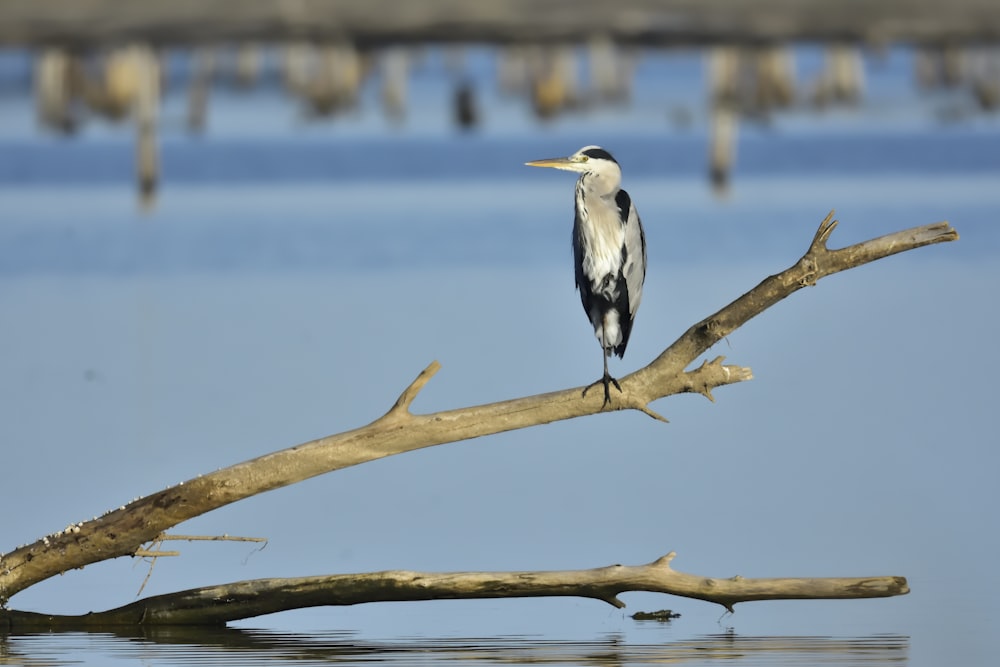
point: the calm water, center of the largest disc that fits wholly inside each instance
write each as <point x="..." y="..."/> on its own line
<point x="294" y="276"/>
<point x="227" y="647"/>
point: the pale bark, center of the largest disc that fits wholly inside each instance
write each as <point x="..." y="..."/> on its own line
<point x="216" y="605"/>
<point x="124" y="531"/>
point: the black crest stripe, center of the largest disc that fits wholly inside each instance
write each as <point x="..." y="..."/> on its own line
<point x="599" y="154"/>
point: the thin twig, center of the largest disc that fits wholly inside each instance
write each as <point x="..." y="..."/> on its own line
<point x="209" y="538"/>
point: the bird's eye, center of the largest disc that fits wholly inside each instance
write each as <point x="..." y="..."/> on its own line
<point x="584" y="158"/>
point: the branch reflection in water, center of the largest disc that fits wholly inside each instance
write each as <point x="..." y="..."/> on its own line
<point x="221" y="645"/>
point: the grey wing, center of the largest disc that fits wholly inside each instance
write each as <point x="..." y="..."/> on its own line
<point x="582" y="282"/>
<point x="634" y="269"/>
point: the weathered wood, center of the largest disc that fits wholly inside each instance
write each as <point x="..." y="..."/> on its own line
<point x="124" y="531"/>
<point x="380" y="22"/>
<point x="216" y="605"/>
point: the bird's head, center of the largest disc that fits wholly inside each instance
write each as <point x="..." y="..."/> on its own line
<point x="587" y="160"/>
<point x="599" y="172"/>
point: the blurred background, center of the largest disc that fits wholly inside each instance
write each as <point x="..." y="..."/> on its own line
<point x="229" y="228"/>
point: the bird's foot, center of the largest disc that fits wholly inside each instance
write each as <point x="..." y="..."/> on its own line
<point x="607" y="381"/>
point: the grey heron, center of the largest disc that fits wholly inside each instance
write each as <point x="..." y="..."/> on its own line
<point x="609" y="250"/>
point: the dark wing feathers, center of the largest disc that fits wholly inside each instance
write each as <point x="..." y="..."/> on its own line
<point x="621" y="305"/>
<point x="633" y="267"/>
<point x="624" y="205"/>
<point x="582" y="283"/>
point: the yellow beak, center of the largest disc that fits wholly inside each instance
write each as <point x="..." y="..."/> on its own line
<point x="553" y="162"/>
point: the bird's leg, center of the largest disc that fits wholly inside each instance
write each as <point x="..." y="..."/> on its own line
<point x="606" y="380"/>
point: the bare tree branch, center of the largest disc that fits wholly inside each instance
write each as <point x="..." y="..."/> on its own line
<point x="817" y="263"/>
<point x="122" y="532"/>
<point x="246" y="599"/>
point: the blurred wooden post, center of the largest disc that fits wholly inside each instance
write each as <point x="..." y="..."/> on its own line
<point x="466" y="114"/>
<point x="395" y="65"/>
<point x="723" y="74"/>
<point x="952" y="65"/>
<point x="723" y="83"/>
<point x="53" y="90"/>
<point x="609" y="80"/>
<point x="295" y="67"/>
<point x="111" y="90"/>
<point x="333" y="84"/>
<point x="775" y="68"/>
<point x="555" y="83"/>
<point x="848" y="73"/>
<point x="984" y="75"/>
<point x="513" y="69"/>
<point x="247" y="69"/>
<point x="146" y="112"/>
<point x="722" y="154"/>
<point x="843" y="77"/>
<point x="202" y="67"/>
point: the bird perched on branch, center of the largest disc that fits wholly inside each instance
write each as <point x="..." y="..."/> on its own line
<point x="609" y="250"/>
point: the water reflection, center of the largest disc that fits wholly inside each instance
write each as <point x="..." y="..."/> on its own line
<point x="222" y="646"/>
